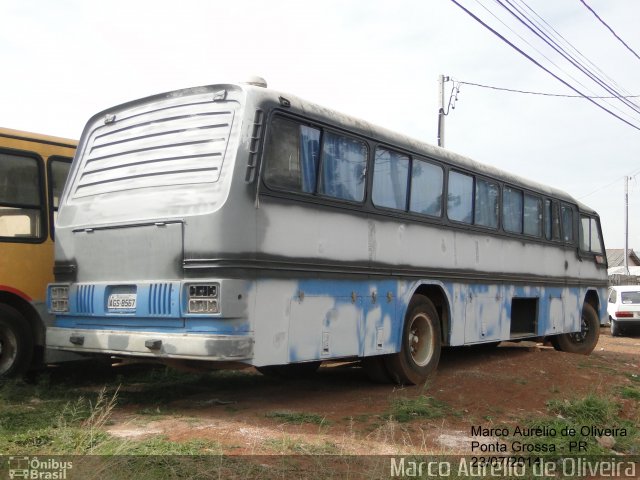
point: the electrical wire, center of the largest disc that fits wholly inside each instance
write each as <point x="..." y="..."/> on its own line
<point x="539" y="65"/>
<point x="610" y="29"/>
<point x="551" y="31"/>
<point x="544" y="94"/>
<point x="524" y="20"/>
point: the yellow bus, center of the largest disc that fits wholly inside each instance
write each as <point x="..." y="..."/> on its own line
<point x="33" y="169"/>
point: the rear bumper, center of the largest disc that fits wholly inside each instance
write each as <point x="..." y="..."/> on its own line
<point x="152" y="344"/>
<point x="627" y="321"/>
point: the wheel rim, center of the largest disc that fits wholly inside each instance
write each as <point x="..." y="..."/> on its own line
<point x="8" y="349"/>
<point x="420" y="339"/>
<point x="580" y="337"/>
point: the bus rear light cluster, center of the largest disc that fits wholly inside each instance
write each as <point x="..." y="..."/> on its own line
<point x="204" y="298"/>
<point x="59" y="299"/>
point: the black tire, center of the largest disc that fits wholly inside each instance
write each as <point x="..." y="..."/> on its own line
<point x="421" y="344"/>
<point x="16" y="343"/>
<point x="376" y="369"/>
<point x="290" y="370"/>
<point x="584" y="341"/>
<point x="615" y="328"/>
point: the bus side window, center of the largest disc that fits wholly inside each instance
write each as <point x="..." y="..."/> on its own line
<point x="567" y="224"/>
<point x="390" y="173"/>
<point x="486" y="205"/>
<point x="343" y="167"/>
<point x="552" y="220"/>
<point x="512" y="210"/>
<point x="292" y="155"/>
<point x="596" y="240"/>
<point x="460" y="201"/>
<point x="20" y="199"/>
<point x="426" y="188"/>
<point x="590" y="240"/>
<point x="532" y="215"/>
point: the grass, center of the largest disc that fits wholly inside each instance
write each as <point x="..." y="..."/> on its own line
<point x="297" y="418"/>
<point x="425" y="407"/>
<point x="630" y="392"/>
<point x="575" y="418"/>
<point x="287" y="446"/>
<point x="50" y="419"/>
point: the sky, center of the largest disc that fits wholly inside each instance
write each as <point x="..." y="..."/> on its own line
<point x="65" y="60"/>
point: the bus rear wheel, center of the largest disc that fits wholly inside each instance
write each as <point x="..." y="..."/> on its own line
<point x="584" y="341"/>
<point x="420" y="349"/>
<point x="16" y="343"/>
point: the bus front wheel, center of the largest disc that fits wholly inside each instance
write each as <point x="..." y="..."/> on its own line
<point x="16" y="342"/>
<point x="584" y="341"/>
<point x="420" y="349"/>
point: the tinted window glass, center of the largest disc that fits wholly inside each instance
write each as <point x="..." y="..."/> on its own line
<point x="532" y="215"/>
<point x="292" y="155"/>
<point x="344" y="162"/>
<point x="460" y="201"/>
<point x="59" y="173"/>
<point x="426" y="188"/>
<point x="552" y="220"/>
<point x="596" y="241"/>
<point x="567" y="223"/>
<point x="512" y="210"/>
<point x="390" y="179"/>
<point x="19" y="180"/>
<point x="486" y="208"/>
<point x="585" y="234"/>
<point x="20" y="204"/>
<point x="589" y="235"/>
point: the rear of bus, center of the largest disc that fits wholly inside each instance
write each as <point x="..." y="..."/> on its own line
<point x="33" y="170"/>
<point x="153" y="189"/>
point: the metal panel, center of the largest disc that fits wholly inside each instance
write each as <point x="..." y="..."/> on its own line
<point x="169" y="143"/>
<point x="130" y="253"/>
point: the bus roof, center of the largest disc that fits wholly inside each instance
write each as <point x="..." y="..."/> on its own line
<point x="365" y="129"/>
<point x="38" y="137"/>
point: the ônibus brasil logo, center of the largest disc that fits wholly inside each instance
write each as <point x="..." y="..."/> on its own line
<point x="38" y="468"/>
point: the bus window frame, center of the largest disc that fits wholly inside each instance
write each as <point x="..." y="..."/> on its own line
<point x="367" y="205"/>
<point x="439" y="219"/>
<point x="44" y="231"/>
<point x="575" y="225"/>
<point x="590" y="253"/>
<point x="50" y="206"/>
<point x="314" y="197"/>
<point x="371" y="168"/>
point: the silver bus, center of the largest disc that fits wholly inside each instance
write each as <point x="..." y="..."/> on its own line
<point x="234" y="224"/>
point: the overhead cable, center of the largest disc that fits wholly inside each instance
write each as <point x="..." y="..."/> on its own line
<point x="610" y="29"/>
<point x="539" y="65"/>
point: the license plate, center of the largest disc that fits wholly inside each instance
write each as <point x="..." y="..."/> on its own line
<point x="122" y="301"/>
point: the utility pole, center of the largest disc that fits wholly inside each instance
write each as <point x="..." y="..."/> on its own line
<point x="441" y="113"/>
<point x="626" y="225"/>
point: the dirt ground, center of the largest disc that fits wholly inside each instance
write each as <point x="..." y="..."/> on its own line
<point x="246" y="413"/>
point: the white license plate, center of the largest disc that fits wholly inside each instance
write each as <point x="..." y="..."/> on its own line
<point x="122" y="301"/>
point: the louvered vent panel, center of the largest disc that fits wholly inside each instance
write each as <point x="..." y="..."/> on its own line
<point x="168" y="143"/>
<point x="84" y="299"/>
<point x="160" y="298"/>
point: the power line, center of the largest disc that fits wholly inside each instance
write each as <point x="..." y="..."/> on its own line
<point x="535" y="62"/>
<point x="513" y="90"/>
<point x="553" y="32"/>
<point x="523" y="19"/>
<point x="610" y="29"/>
